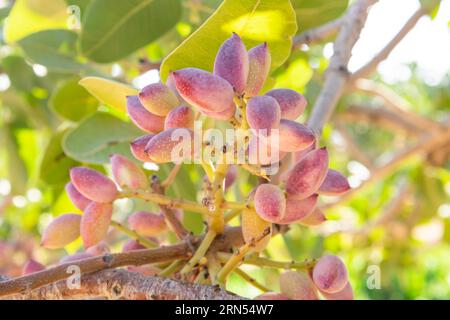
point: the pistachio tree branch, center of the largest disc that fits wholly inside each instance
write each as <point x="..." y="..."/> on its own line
<point x="121" y="284"/>
<point x="376" y="116"/>
<point x="169" y="214"/>
<point x="396" y="104"/>
<point x="317" y="34"/>
<point x="337" y="76"/>
<point x="33" y="281"/>
<point x="182" y="251"/>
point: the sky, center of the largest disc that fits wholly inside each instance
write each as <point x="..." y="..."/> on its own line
<point x="428" y="44"/>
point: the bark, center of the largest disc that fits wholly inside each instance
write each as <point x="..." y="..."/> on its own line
<point x="337" y="75"/>
<point x="120" y="284"/>
<point x="230" y="239"/>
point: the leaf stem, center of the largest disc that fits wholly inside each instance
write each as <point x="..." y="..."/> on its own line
<point x="134" y="235"/>
<point x="201" y="251"/>
<point x="251" y="280"/>
<point x="171" y="268"/>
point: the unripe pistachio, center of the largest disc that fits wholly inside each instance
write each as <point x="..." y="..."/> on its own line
<point x="299" y="155"/>
<point x="297" y="285"/>
<point x="204" y="90"/>
<point x="32" y="266"/>
<point x="253" y="227"/>
<point x="271" y="296"/>
<point x="313" y="219"/>
<point x="330" y="274"/>
<point x="334" y="184"/>
<point x="79" y="201"/>
<point x="294" y="136"/>
<point x="147" y="224"/>
<point x="344" y="294"/>
<point x="95" y="223"/>
<point x="132" y="245"/>
<point x="170" y="82"/>
<point x="264" y="150"/>
<point x="93" y="185"/>
<point x="127" y="174"/>
<point x="232" y="63"/>
<point x="225" y="115"/>
<point x="138" y="145"/>
<point x="230" y="177"/>
<point x="270" y="203"/>
<point x="158" y="99"/>
<point x="308" y="175"/>
<point x="99" y="249"/>
<point x="61" y="231"/>
<point x="263" y="113"/>
<point x="292" y="103"/>
<point x="173" y="145"/>
<point x="297" y="210"/>
<point x="180" y="117"/>
<point x="142" y="118"/>
<point x="260" y="61"/>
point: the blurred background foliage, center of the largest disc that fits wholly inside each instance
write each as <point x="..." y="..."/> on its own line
<point x="50" y="123"/>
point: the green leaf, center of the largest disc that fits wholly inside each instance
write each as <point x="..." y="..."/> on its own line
<point x="55" y="49"/>
<point x="71" y="101"/>
<point x="55" y="165"/>
<point x="112" y="29"/>
<point x="313" y="13"/>
<point x="30" y="16"/>
<point x="256" y="21"/>
<point x="99" y="136"/>
<point x="19" y="72"/>
<point x="109" y="92"/>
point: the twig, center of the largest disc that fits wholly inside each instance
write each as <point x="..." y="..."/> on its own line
<point x="384" y="53"/>
<point x="337" y="74"/>
<point x="268" y="263"/>
<point x="238" y="256"/>
<point x="396" y="104"/>
<point x="134" y="235"/>
<point x="170" y="215"/>
<point x="251" y="280"/>
<point x="121" y="284"/>
<point x="171" y="268"/>
<point x="376" y="116"/>
<point x="317" y="34"/>
<point x="200" y="252"/>
<point x="171" y="177"/>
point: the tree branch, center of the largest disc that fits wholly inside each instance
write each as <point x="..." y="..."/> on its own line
<point x="384" y="53"/>
<point x="396" y="104"/>
<point x="337" y="74"/>
<point x="121" y="284"/>
<point x="376" y="116"/>
<point x="231" y="238"/>
<point x="317" y="34"/>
